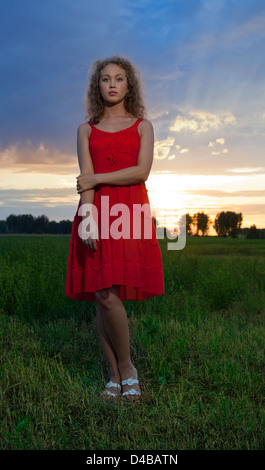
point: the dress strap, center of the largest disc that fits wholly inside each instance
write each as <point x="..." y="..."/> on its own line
<point x="135" y="125"/>
<point x="91" y="123"/>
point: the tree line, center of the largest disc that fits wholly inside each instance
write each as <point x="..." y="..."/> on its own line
<point x="27" y="223"/>
<point x="225" y="224"/>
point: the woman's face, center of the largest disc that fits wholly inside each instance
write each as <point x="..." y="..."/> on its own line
<point x="113" y="84"/>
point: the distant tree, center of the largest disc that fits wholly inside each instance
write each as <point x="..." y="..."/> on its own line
<point x="228" y="224"/>
<point x="188" y="224"/>
<point x="53" y="227"/>
<point x="12" y="223"/>
<point x="26" y="223"/>
<point x="163" y="230"/>
<point x="182" y="229"/>
<point x="3" y="227"/>
<point x="253" y="232"/>
<point x="41" y="224"/>
<point x="202" y="222"/>
<point x="65" y="226"/>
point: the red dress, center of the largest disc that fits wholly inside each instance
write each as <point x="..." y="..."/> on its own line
<point x="133" y="263"/>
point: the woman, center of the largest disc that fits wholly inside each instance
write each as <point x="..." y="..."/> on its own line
<point x="115" y="153"/>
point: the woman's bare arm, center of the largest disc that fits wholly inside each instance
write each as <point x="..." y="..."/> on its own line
<point x="86" y="166"/>
<point x="85" y="160"/>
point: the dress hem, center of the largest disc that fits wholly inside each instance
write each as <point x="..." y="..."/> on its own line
<point x="89" y="296"/>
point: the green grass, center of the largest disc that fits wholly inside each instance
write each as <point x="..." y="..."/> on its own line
<point x="199" y="351"/>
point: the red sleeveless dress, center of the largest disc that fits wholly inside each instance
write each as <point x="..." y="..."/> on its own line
<point x="133" y="263"/>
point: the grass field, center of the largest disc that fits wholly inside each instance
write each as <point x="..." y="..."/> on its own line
<point x="199" y="351"/>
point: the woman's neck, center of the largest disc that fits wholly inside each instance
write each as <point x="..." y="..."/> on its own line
<point x="116" y="111"/>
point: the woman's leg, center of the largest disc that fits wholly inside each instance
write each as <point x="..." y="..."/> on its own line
<point x="114" y="334"/>
<point x="107" y="348"/>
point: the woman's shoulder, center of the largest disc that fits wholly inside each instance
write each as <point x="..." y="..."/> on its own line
<point x="145" y="126"/>
<point x="84" y="128"/>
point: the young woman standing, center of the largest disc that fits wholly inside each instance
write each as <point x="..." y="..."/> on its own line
<point x="115" y="153"/>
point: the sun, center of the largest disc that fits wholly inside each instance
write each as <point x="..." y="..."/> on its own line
<point x="167" y="199"/>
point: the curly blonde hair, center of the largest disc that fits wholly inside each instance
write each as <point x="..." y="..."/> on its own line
<point x="133" y="101"/>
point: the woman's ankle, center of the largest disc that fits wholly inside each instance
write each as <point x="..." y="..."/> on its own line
<point x="126" y="366"/>
<point x="114" y="376"/>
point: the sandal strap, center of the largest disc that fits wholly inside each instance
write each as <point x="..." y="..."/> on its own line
<point x="132" y="391"/>
<point x="107" y="392"/>
<point x="113" y="385"/>
<point x="130" y="381"/>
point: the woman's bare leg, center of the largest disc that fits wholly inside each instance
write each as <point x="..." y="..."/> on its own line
<point x="107" y="347"/>
<point x="114" y="335"/>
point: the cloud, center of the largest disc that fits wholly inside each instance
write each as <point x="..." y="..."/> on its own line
<point x="240" y="28"/>
<point x="202" y="121"/>
<point x="25" y="156"/>
<point x="219" y="152"/>
<point x="220" y="193"/>
<point x="184" y="124"/>
<point x="220" y="141"/>
<point x="253" y="26"/>
<point x="55" y="203"/>
<point x="247" y="170"/>
<point x="162" y="148"/>
<point x="158" y="115"/>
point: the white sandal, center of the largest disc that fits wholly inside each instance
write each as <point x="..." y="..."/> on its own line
<point x="115" y="394"/>
<point x="131" y="391"/>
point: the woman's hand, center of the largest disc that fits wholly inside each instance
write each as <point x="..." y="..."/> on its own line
<point x="85" y="182"/>
<point x="89" y="233"/>
<point x="91" y="242"/>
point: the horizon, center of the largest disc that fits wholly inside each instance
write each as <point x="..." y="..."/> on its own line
<point x="158" y="224"/>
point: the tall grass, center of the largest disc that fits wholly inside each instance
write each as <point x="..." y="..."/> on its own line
<point x="199" y="351"/>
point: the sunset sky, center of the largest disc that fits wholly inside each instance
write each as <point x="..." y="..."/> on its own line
<point x="202" y="64"/>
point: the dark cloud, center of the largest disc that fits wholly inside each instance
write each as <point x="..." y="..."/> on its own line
<point x="47" y="48"/>
<point x="229" y="194"/>
<point x="56" y="204"/>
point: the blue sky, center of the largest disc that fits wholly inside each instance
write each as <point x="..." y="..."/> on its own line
<point x="203" y="77"/>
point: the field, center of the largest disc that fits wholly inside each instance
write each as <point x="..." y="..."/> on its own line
<point x="199" y="351"/>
